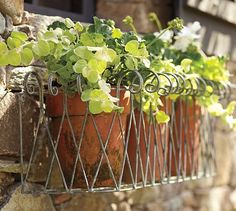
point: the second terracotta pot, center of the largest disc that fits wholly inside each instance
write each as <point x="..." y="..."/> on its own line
<point x="152" y="143"/>
<point x="186" y="138"/>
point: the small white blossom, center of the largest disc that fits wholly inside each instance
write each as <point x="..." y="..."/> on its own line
<point x="188" y="35"/>
<point x="166" y="36"/>
<point x="105" y="87"/>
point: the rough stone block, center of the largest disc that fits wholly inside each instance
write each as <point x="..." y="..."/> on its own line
<point x="23" y="202"/>
<point x="10" y="125"/>
<point x="13" y="8"/>
<point x="2" y="24"/>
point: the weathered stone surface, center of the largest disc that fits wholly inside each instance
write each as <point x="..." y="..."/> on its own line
<point x="2" y="23"/>
<point x="39" y="22"/>
<point x="6" y="180"/>
<point x="91" y="202"/>
<point x="233" y="165"/>
<point x="189" y="199"/>
<point x="223" y="158"/>
<point x="24" y="202"/>
<point x="219" y="199"/>
<point x="2" y="78"/>
<point x="124" y="206"/>
<point x="13" y="8"/>
<point x="174" y="203"/>
<point x="157" y="206"/>
<point x="10" y="126"/>
<point x="145" y="195"/>
<point x="15" y="76"/>
<point x="232" y="199"/>
<point x="11" y="167"/>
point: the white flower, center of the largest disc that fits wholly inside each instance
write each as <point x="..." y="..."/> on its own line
<point x="166" y="36"/>
<point x="105" y="87"/>
<point x="188" y="35"/>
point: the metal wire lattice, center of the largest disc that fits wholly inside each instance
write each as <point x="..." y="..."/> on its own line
<point x="119" y="151"/>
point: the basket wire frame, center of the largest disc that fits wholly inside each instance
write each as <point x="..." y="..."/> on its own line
<point x="163" y="153"/>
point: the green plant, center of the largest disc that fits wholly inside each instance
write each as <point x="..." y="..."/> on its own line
<point x="181" y="52"/>
<point x="100" y="54"/>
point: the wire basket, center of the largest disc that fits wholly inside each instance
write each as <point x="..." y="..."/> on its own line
<point x="115" y="151"/>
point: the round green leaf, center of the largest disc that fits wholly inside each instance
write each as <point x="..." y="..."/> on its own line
<point x="162" y="117"/>
<point x="19" y="35"/>
<point x="13" y="42"/>
<point x="79" y="27"/>
<point x="3" y="48"/>
<point x="93" y="76"/>
<point x="26" y="56"/>
<point x="14" y="58"/>
<point x="116" y="33"/>
<point x="132" y="47"/>
<point x="95" y="107"/>
<point x="80" y="65"/>
<point x="42" y="48"/>
<point x="69" y="23"/>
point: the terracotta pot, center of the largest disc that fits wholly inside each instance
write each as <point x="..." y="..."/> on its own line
<point x="90" y="148"/>
<point x="186" y="138"/>
<point x="157" y="135"/>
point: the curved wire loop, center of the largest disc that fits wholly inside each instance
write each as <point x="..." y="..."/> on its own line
<point x="181" y="82"/>
<point x="167" y="88"/>
<point x="53" y="90"/>
<point x="151" y="82"/>
<point x="201" y="87"/>
<point x="136" y="84"/>
<point x="30" y="88"/>
<point x="79" y="84"/>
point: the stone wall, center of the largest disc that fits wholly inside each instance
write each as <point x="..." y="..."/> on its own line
<point x="212" y="194"/>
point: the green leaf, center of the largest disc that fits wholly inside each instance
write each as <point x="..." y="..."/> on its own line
<point x="79" y="27"/>
<point x="70" y="36"/>
<point x="50" y="36"/>
<point x="95" y="107"/>
<point x="131" y="63"/>
<point x="107" y="106"/>
<point x="80" y="65"/>
<point x="26" y="56"/>
<point x="13" y="42"/>
<point x="3" y="48"/>
<point x="116" y="33"/>
<point x="97" y="65"/>
<point x="93" y="39"/>
<point x="3" y="60"/>
<point x="106" y="54"/>
<point x="14" y="58"/>
<point x="42" y="48"/>
<point x="93" y="76"/>
<point x="132" y="47"/>
<point x="86" y="95"/>
<point x="186" y="64"/>
<point x="231" y="107"/>
<point x="84" y="53"/>
<point x="19" y="35"/>
<point x="69" y="23"/>
<point x="98" y="95"/>
<point x="162" y="117"/>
